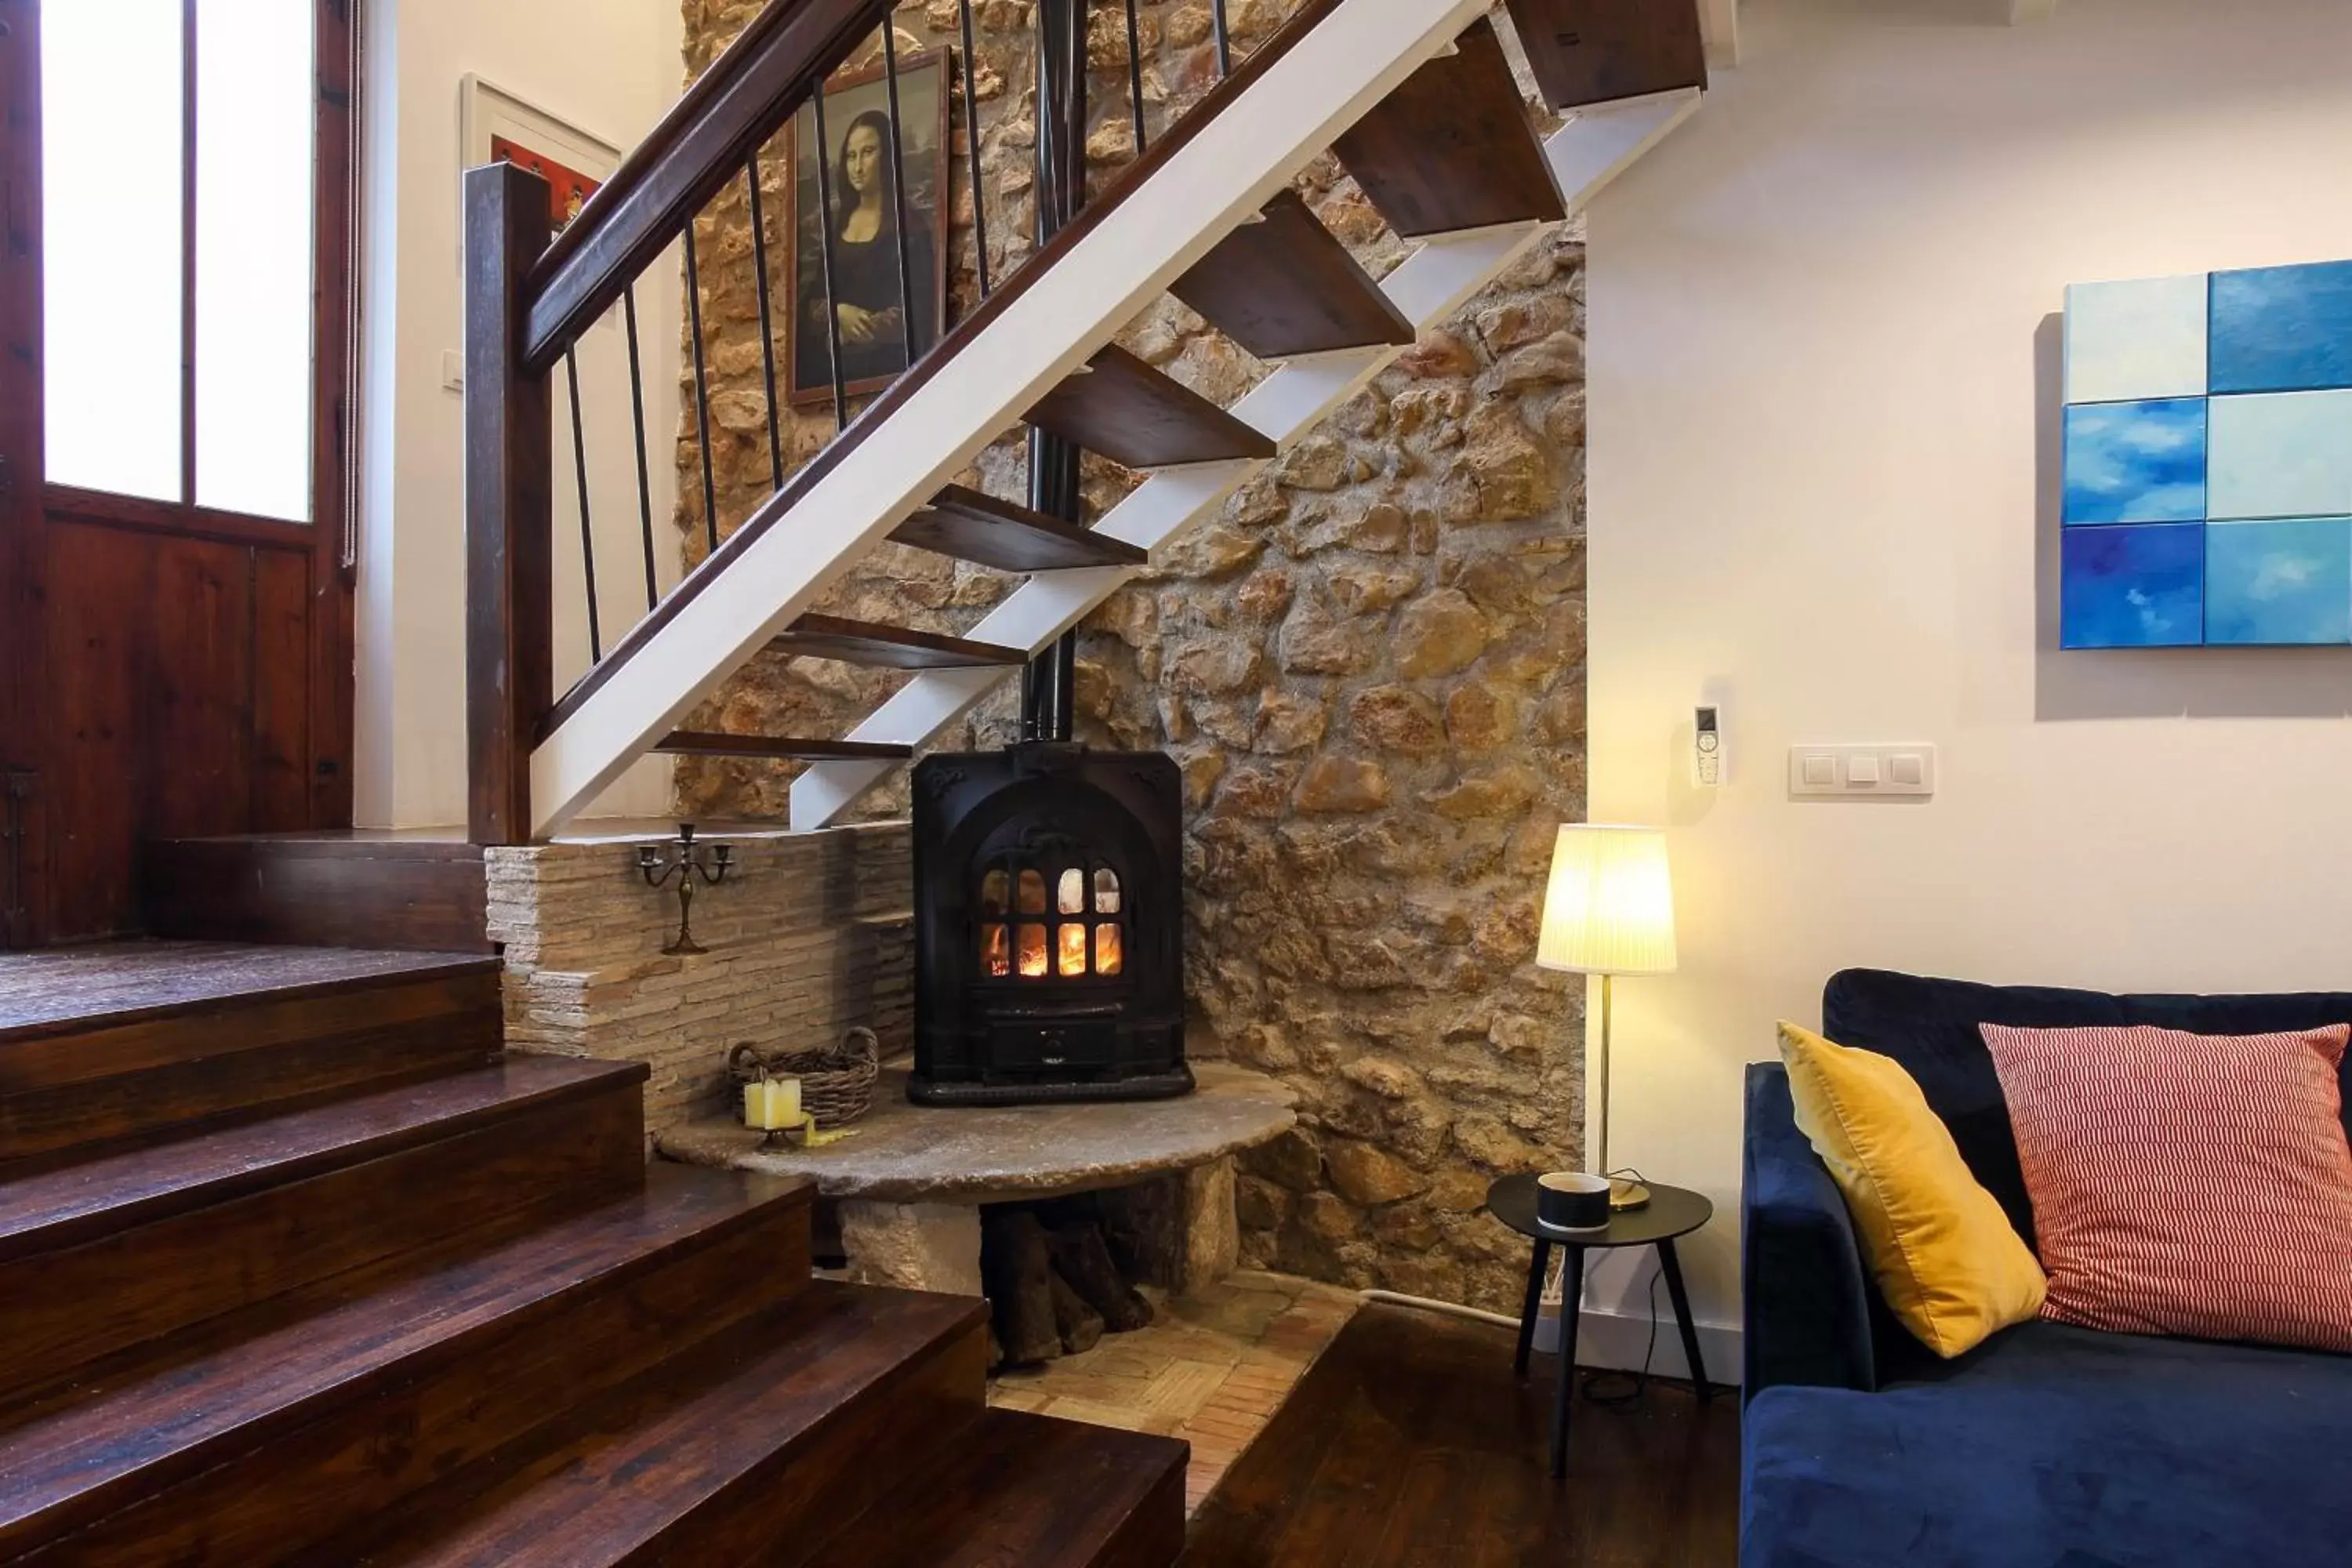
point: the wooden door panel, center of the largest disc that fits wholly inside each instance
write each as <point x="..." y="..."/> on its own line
<point x="178" y="702"/>
<point x="280" y="764"/>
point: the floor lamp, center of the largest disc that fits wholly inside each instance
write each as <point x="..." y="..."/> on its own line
<point x="1609" y="910"/>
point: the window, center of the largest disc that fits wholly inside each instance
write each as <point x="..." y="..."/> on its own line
<point x="180" y="251"/>
<point x="1071" y="947"/>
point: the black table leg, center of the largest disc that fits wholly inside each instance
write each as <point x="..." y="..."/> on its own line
<point x="1571" y="1296"/>
<point x="1534" y="1305"/>
<point x="1673" y="1268"/>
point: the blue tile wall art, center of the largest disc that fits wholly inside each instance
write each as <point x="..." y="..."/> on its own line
<point x="2208" y="496"/>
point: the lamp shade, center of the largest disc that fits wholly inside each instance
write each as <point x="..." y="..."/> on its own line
<point x="1609" y="907"/>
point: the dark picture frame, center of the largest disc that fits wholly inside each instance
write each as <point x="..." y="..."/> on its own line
<point x="865" y="270"/>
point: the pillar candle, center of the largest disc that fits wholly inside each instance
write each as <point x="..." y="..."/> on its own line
<point x="771" y="1103"/>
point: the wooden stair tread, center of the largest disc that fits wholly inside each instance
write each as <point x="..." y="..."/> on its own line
<point x="1032" y="1489"/>
<point x="280" y="1367"/>
<point x="1286" y="286"/>
<point x="784" y="748"/>
<point x="412" y="888"/>
<point x="1128" y="412"/>
<point x="1452" y="148"/>
<point x="183" y="1040"/>
<point x="78" y="1202"/>
<point x="886" y="647"/>
<point x="1597" y="51"/>
<point x="642" y="1463"/>
<point x="77" y="990"/>
<point x="991" y="531"/>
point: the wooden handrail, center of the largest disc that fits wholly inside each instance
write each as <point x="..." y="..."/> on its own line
<point x="706" y="140"/>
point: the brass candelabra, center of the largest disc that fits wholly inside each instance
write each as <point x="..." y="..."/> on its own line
<point x="684" y="859"/>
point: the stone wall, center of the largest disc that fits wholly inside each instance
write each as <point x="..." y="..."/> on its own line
<point x="1371" y="668"/>
<point x="807" y="938"/>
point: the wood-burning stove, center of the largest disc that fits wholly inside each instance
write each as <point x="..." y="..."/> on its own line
<point x="1048" y="926"/>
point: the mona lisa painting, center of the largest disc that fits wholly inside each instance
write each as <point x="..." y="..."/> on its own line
<point x="881" y="331"/>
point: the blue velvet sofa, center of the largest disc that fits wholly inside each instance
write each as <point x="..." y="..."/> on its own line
<point x="2047" y="1447"/>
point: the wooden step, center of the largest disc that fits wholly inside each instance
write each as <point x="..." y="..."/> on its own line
<point x="1027" y="1489"/>
<point x="125" y="1039"/>
<point x="416" y="889"/>
<point x="886" y="647"/>
<point x="1138" y="418"/>
<point x="1452" y="148"/>
<point x="271" y="1429"/>
<point x="781" y="748"/>
<point x="111" y="1252"/>
<point x="1286" y="286"/>
<point x="990" y="531"/>
<point x="1597" y="51"/>
<point x="720" y="1457"/>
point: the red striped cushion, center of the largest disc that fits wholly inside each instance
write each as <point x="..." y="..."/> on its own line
<point x="2187" y="1183"/>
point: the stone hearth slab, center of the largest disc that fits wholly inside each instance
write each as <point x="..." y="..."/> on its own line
<point x="906" y="1154"/>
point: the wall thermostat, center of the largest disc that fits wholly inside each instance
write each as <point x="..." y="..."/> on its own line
<point x="1706" y="748"/>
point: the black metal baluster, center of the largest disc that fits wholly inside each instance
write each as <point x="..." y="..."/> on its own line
<point x="899" y="190"/>
<point x="701" y="391"/>
<point x="587" y="533"/>
<point x="825" y="253"/>
<point x="1225" y="46"/>
<point x="766" y="328"/>
<point x="1135" y="73"/>
<point x="971" y="148"/>
<point x="645" y="474"/>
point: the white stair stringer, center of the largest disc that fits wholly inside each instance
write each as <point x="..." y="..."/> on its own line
<point x="1444" y="273"/>
<point x="1293" y="108"/>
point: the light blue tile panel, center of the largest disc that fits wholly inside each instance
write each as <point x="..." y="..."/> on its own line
<point x="2282" y="454"/>
<point x="2134" y="341"/>
<point x="2132" y="587"/>
<point x="2136" y="462"/>
<point x="2279" y="583"/>
<point x="2283" y="329"/>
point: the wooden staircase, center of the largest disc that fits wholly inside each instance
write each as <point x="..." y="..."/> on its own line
<point x="296" y="1266"/>
<point x="1416" y="101"/>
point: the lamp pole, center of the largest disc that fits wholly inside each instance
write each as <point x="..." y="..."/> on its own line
<point x="1625" y="1193"/>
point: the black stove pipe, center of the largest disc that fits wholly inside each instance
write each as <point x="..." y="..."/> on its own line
<point x="1048" y="696"/>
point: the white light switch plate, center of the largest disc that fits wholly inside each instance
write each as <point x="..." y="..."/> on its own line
<point x="1899" y="768"/>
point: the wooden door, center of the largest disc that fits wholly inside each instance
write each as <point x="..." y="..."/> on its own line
<point x="178" y="654"/>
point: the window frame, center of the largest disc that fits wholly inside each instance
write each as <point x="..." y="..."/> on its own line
<point x="334" y="240"/>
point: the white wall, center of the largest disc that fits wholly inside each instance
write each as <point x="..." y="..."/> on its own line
<point x="1823" y="483"/>
<point x="611" y="68"/>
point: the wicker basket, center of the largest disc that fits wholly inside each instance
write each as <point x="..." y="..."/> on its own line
<point x="837" y="1081"/>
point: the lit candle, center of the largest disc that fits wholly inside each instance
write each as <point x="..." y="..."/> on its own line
<point x="772" y="1103"/>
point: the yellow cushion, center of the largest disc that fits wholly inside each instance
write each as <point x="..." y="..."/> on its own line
<point x="1949" y="1262"/>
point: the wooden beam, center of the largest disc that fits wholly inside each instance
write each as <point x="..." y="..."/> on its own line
<point x="509" y="507"/>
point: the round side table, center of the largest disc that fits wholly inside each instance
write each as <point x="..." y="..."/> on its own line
<point x="1671" y="1211"/>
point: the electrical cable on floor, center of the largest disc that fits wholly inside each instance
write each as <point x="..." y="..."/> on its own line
<point x="1639" y="1380"/>
<point x="1429" y="1304"/>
